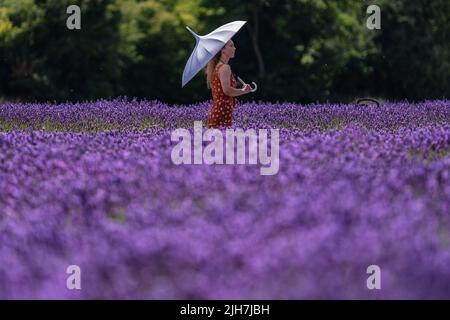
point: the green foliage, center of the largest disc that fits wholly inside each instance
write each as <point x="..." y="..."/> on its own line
<point x="296" y="50"/>
<point x="415" y="50"/>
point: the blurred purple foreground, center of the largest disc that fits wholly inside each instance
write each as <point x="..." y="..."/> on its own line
<point x="92" y="184"/>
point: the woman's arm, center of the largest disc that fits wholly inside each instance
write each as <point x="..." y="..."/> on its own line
<point x="224" y="75"/>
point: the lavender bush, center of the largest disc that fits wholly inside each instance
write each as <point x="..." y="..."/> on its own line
<point x="92" y="184"/>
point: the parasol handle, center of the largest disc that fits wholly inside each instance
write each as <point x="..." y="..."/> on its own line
<point x="255" y="86"/>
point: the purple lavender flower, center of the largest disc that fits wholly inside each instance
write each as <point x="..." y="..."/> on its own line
<point x="92" y="184"/>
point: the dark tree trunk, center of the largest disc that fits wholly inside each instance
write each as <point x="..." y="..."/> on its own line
<point x="254" y="35"/>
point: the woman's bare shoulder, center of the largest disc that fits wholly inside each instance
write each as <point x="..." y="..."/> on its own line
<point x="224" y="69"/>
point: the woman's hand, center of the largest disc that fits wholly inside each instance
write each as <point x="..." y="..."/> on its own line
<point x="246" y="88"/>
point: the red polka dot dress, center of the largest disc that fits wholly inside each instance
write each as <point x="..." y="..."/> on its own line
<point x="221" y="113"/>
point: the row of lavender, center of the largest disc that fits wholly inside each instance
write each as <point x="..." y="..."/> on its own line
<point x="113" y="203"/>
<point x="122" y="114"/>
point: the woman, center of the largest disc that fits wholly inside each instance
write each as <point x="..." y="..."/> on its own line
<point x="222" y="83"/>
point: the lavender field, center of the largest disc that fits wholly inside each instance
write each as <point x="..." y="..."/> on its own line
<point x="93" y="184"/>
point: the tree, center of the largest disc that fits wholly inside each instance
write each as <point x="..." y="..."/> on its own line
<point x="414" y="62"/>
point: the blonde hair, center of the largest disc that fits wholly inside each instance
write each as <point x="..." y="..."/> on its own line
<point x="210" y="67"/>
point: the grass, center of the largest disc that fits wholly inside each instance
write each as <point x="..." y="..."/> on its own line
<point x="427" y="156"/>
<point x="94" y="126"/>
